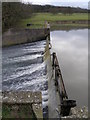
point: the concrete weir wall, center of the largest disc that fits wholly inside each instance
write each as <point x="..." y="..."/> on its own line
<point x="20" y="36"/>
<point x="53" y="101"/>
<point x="22" y="105"/>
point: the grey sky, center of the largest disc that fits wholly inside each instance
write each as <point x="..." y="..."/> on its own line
<point x="74" y="3"/>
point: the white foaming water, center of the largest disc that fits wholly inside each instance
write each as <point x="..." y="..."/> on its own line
<point x="24" y="70"/>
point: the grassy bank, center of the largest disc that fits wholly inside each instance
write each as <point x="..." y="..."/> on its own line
<point x="38" y="19"/>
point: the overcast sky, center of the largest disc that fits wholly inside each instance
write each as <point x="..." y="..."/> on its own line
<point x="74" y="3"/>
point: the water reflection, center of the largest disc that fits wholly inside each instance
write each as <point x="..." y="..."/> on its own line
<point x="72" y="51"/>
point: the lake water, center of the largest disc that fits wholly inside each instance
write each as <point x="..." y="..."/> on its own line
<point x="72" y="52"/>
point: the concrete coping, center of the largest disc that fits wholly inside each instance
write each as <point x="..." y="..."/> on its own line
<point x="21" y="97"/>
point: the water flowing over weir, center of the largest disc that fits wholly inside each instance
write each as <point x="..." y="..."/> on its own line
<point x="24" y="69"/>
<point x="34" y="67"/>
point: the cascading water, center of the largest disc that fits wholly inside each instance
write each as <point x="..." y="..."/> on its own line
<point x="23" y="69"/>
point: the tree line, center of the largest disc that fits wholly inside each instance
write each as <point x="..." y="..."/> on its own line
<point x="13" y="12"/>
<point x="58" y="9"/>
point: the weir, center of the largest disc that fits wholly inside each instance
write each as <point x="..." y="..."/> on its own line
<point x="58" y="101"/>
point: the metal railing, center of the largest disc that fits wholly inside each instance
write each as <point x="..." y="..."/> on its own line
<point x="65" y="103"/>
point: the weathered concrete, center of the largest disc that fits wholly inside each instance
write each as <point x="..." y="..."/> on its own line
<point x="22" y="104"/>
<point x="20" y="36"/>
<point x="22" y="97"/>
<point x="53" y="101"/>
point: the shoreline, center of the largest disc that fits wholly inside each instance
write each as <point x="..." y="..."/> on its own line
<point x="70" y="24"/>
<point x="68" y="28"/>
<point x="17" y="36"/>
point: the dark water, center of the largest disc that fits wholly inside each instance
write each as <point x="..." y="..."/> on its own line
<point x="72" y="51"/>
<point x="23" y="69"/>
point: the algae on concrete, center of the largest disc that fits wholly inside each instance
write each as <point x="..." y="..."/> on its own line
<point x="22" y="104"/>
<point x="17" y="111"/>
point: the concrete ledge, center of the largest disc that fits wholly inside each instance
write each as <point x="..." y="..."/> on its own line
<point x="22" y="104"/>
<point x="22" y="97"/>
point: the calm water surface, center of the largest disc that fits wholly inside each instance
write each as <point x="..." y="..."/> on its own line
<point x="72" y="51"/>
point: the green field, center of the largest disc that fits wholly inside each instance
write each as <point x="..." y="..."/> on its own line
<point x="38" y="19"/>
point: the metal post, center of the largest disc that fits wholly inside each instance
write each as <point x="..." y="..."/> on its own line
<point x="53" y="60"/>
